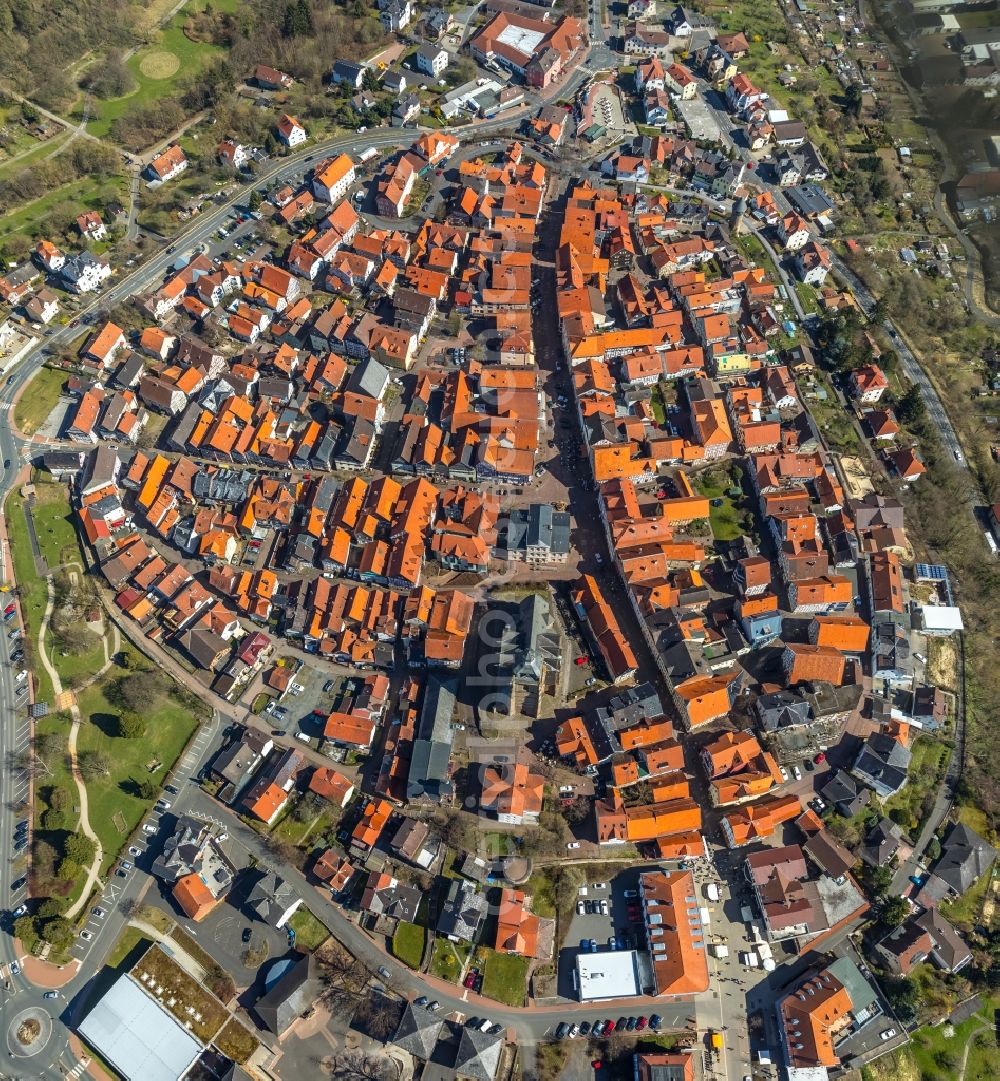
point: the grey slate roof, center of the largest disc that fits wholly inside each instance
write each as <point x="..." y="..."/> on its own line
<point x="432" y="747"/>
<point x="369" y="378"/>
<point x="883" y="762"/>
<point x="463" y="911"/>
<point x="782" y="709"/>
<point x="882" y="843"/>
<point x="418" y="1031"/>
<point x="843" y="791"/>
<point x="291" y="996"/>
<point x="478" y="1055"/>
<point x="965" y="858"/>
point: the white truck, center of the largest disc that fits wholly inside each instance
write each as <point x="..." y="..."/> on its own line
<point x="367" y="155"/>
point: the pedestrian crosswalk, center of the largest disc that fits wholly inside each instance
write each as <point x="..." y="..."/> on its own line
<point x="77" y="1070"/>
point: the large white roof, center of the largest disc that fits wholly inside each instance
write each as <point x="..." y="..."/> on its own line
<point x="137" y="1036"/>
<point x="522" y="39"/>
<point x="608" y="974"/>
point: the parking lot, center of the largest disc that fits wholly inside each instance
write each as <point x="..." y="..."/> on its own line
<point x="606" y="926"/>
<point x="296" y="710"/>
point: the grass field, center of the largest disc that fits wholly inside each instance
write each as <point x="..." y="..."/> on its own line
<point x="168" y="728"/>
<point x="448" y="959"/>
<point x="38" y="399"/>
<point x="933" y="1054"/>
<point x="310" y="934"/>
<point x="726" y="520"/>
<point x="929" y="759"/>
<point x="127" y="941"/>
<point x="31" y="152"/>
<point x="408" y="944"/>
<point x="90" y="193"/>
<point x="505" y="977"/>
<point x="156" y="68"/>
<point x="57" y="543"/>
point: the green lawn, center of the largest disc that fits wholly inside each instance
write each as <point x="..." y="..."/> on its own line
<point x="505" y="978"/>
<point x="127" y="941"/>
<point x="542" y="894"/>
<point x="30" y="154"/>
<point x="57" y="543"/>
<point x="168" y="728"/>
<point x="932" y="1052"/>
<point x="193" y="56"/>
<point x="89" y="193"/>
<point x="929" y="759"/>
<point x="964" y="912"/>
<point x="448" y="958"/>
<point x="726" y="520"/>
<point x="38" y="399"/>
<point x="306" y="834"/>
<point x="807" y="297"/>
<point x="408" y="944"/>
<point x="310" y="934"/>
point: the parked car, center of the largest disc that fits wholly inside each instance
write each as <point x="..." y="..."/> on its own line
<point x="98" y="912"/>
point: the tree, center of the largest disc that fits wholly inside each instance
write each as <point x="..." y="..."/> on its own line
<point x="58" y="931"/>
<point x="344" y="979"/>
<point x="578" y="810"/>
<point x="358" y="1066"/>
<point x="881" y="879"/>
<point x="893" y="911"/>
<point x="67" y="870"/>
<point x="934" y="849"/>
<point x="854" y="98"/>
<point x="139" y="691"/>
<point x="254" y="200"/>
<point x="81" y="848"/>
<point x="24" y="927"/>
<point x="146" y="789"/>
<point x="93" y="764"/>
<point x="51" y="906"/>
<point x="910" y="408"/>
<point x="377" y="1016"/>
<point x="902" y="996"/>
<point x="130" y="725"/>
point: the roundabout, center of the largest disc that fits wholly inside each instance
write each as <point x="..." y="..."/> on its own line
<point x="29" y="1032"/>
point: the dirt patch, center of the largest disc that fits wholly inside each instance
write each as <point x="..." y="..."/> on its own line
<point x="28" y="1032"/>
<point x="159" y="64"/>
<point x="898" y="1067"/>
<point x="858" y="482"/>
<point x="942" y="664"/>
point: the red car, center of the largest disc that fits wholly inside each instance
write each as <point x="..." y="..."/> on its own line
<point x="596" y="1064"/>
<point x="609" y="1026"/>
<point x="640" y="1024"/>
<point x="661" y="493"/>
<point x="7" y="611"/>
<point x="469" y="980"/>
<point x="580" y="660"/>
<point x="821" y="757"/>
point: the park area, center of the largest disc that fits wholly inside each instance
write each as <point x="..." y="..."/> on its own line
<point x="157" y="67"/>
<point x="134" y="721"/>
<point x="38" y="399"/>
<point x="726" y="515"/>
